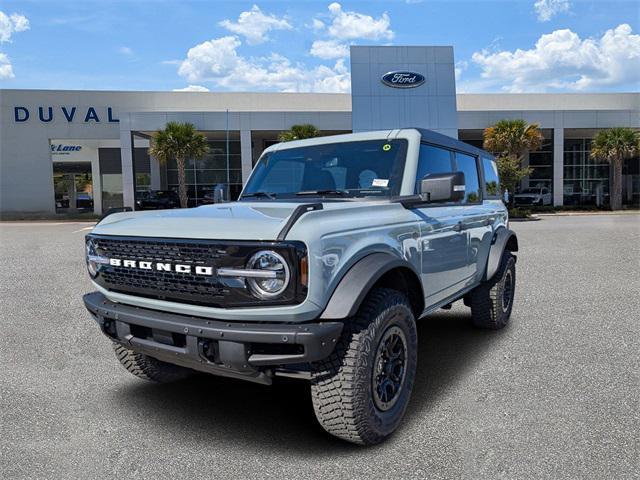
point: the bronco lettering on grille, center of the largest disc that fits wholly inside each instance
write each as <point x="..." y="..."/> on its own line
<point x="162" y="266"/>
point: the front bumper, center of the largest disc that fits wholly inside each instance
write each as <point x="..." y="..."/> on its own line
<point x="250" y="351"/>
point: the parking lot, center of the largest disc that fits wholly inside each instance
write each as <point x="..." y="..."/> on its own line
<point x="555" y="395"/>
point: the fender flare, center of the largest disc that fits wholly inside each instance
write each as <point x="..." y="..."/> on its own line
<point x="503" y="239"/>
<point x="358" y="281"/>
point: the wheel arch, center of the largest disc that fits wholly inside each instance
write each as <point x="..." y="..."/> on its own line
<point x="503" y="240"/>
<point x="374" y="270"/>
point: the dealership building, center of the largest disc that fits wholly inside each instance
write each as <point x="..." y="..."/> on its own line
<point x="66" y="151"/>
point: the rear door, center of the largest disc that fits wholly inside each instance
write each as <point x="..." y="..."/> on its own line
<point x="443" y="243"/>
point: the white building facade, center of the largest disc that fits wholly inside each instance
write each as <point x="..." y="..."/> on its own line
<point x="69" y="151"/>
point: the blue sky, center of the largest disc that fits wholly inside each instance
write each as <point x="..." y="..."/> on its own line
<point x="500" y="46"/>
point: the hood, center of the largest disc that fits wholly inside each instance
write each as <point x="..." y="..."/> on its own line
<point x="238" y="220"/>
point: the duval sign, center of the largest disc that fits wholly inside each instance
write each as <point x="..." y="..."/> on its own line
<point x="70" y="114"/>
<point x="403" y="79"/>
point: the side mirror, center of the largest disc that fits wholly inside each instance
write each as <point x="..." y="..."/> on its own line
<point x="442" y="187"/>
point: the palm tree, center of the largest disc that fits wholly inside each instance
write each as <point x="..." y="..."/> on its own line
<point x="179" y="141"/>
<point x="614" y="146"/>
<point x="298" y="132"/>
<point x="513" y="137"/>
<point x="510" y="140"/>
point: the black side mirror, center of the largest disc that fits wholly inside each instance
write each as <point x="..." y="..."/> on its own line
<point x="442" y="187"/>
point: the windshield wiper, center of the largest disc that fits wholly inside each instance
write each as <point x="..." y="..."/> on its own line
<point x="323" y="192"/>
<point x="270" y="196"/>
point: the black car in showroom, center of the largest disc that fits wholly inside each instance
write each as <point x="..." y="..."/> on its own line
<point x="157" y="200"/>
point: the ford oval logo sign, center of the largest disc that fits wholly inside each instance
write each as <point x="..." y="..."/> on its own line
<point x="401" y="79"/>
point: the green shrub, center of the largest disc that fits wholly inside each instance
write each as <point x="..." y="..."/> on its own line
<point x="519" y="212"/>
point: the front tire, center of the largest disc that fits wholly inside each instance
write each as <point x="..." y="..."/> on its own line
<point x="149" y="368"/>
<point x="361" y="391"/>
<point x="491" y="302"/>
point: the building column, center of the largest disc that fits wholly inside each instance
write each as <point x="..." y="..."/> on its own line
<point x="246" y="154"/>
<point x="96" y="183"/>
<point x="558" y="167"/>
<point x="126" y="157"/>
<point x="156" y="182"/>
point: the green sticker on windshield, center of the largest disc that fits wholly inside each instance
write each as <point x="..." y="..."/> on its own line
<point x="386" y="147"/>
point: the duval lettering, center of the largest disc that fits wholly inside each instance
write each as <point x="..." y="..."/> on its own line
<point x="48" y="114"/>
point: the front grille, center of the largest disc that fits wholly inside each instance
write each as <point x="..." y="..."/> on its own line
<point x="186" y="287"/>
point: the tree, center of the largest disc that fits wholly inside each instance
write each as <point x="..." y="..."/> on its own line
<point x="510" y="140"/>
<point x="179" y="141"/>
<point x="511" y="173"/>
<point x="614" y="146"/>
<point x="298" y="132"/>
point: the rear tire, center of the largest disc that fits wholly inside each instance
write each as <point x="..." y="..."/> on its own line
<point x="361" y="391"/>
<point x="149" y="368"/>
<point x="491" y="302"/>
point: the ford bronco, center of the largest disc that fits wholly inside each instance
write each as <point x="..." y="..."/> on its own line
<point x="335" y="247"/>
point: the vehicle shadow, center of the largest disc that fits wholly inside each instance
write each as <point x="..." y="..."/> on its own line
<point x="280" y="417"/>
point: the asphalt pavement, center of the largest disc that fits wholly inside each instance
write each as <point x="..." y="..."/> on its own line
<point x="555" y="395"/>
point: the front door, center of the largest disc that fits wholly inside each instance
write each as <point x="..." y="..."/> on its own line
<point x="443" y="242"/>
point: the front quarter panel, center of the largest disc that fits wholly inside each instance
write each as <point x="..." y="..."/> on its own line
<point x="339" y="238"/>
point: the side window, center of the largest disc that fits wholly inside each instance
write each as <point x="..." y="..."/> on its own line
<point x="432" y="160"/>
<point x="491" y="179"/>
<point x="467" y="165"/>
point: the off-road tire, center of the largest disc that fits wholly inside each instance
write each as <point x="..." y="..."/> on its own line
<point x="149" y="368"/>
<point x="487" y="301"/>
<point x="342" y="385"/>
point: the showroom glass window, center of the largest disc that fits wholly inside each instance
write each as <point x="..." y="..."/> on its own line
<point x="204" y="175"/>
<point x="468" y="165"/>
<point x="586" y="181"/>
<point x="432" y="160"/>
<point x="541" y="163"/>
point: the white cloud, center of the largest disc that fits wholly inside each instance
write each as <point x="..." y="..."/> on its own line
<point x="254" y="25"/>
<point x="218" y="61"/>
<point x="345" y="26"/>
<point x="6" y="70"/>
<point x="561" y="60"/>
<point x="10" y="24"/>
<point x="317" y="25"/>
<point x="125" y="51"/>
<point x="547" y="9"/>
<point x="353" y="25"/>
<point x="192" y="88"/>
<point x="211" y="59"/>
<point x="329" y="49"/>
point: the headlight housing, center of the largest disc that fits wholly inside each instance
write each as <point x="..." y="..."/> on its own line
<point x="92" y="265"/>
<point x="276" y="274"/>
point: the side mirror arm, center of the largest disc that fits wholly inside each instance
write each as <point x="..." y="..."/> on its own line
<point x="411" y="201"/>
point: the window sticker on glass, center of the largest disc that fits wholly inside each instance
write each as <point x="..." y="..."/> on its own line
<point x="386" y="147"/>
<point x="380" y="182"/>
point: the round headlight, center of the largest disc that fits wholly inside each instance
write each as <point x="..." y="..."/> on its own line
<point x="92" y="265"/>
<point x="276" y="277"/>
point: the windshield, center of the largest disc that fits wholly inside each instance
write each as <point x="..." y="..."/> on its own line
<point x="370" y="168"/>
<point x="531" y="190"/>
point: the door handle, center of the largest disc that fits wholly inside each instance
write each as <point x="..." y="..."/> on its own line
<point x="458" y="227"/>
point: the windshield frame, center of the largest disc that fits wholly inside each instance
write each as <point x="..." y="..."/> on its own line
<point x="397" y="171"/>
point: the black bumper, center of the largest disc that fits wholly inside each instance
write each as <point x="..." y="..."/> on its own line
<point x="242" y="350"/>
